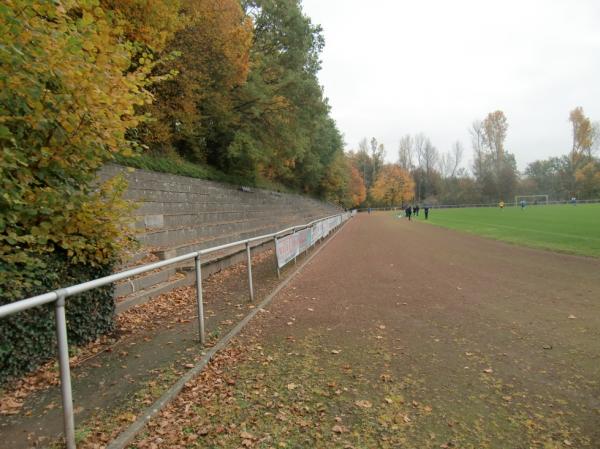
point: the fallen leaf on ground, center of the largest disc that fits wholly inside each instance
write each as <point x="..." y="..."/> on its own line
<point x="363" y="404"/>
<point x="339" y="429"/>
<point x="246" y="436"/>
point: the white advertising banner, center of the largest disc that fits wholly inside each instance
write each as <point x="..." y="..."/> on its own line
<point x="304" y="238"/>
<point x="286" y="249"/>
<point x="317" y="231"/>
<point x="290" y="246"/>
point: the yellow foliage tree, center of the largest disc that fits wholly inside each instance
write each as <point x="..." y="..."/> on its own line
<point x="68" y="98"/>
<point x="393" y="186"/>
<point x="587" y="180"/>
<point x="358" y="191"/>
<point x="148" y="22"/>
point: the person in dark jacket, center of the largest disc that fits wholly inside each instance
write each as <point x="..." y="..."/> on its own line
<point x="416" y="210"/>
<point x="408" y="212"/>
<point x="426" y="209"/>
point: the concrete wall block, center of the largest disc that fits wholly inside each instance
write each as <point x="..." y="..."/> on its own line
<point x="154" y="221"/>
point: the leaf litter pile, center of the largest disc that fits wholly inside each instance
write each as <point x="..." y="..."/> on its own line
<point x="225" y="298"/>
<point x="176" y="307"/>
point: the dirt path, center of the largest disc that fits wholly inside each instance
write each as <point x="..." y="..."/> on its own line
<point x="406" y="335"/>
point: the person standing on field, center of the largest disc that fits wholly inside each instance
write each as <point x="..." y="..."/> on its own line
<point x="416" y="210"/>
<point x="426" y="209"/>
<point x="408" y="212"/>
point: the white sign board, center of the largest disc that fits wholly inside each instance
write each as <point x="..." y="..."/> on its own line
<point x="304" y="238"/>
<point x="286" y="249"/>
<point x="317" y="231"/>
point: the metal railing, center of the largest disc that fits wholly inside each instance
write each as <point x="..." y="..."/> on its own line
<point x="58" y="297"/>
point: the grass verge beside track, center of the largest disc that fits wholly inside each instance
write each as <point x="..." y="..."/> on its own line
<point x="564" y="228"/>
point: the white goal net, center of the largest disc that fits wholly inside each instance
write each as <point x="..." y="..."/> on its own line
<point x="531" y="200"/>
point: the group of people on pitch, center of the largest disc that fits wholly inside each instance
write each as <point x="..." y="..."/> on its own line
<point x="410" y="210"/>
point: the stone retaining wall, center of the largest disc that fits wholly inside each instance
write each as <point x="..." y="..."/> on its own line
<point x="177" y="215"/>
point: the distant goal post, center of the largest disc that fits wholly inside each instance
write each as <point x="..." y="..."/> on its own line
<point x="531" y="199"/>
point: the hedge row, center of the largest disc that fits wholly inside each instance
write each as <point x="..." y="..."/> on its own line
<point x="28" y="339"/>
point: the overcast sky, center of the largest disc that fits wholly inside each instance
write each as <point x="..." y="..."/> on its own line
<point x="392" y="67"/>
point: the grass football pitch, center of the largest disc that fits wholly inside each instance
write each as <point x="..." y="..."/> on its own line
<point x="564" y="228"/>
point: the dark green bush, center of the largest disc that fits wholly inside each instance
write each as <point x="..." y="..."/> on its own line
<point x="28" y="339"/>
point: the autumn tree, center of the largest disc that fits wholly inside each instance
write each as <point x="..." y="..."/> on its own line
<point x="358" y="191"/>
<point x="495" y="169"/>
<point x="148" y="24"/>
<point x="495" y="127"/>
<point x="194" y="112"/>
<point x="363" y="163"/>
<point x="68" y="97"/>
<point x="72" y="85"/>
<point x="582" y="134"/>
<point x="394" y="186"/>
<point x="336" y="182"/>
<point x="282" y="106"/>
<point x="581" y="162"/>
<point x="588" y="179"/>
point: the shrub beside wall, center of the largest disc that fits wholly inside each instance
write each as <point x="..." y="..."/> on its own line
<point x="71" y="85"/>
<point x="28" y="339"/>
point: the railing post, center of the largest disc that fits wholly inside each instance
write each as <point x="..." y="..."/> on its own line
<point x="65" y="372"/>
<point x="199" y="299"/>
<point x="276" y="262"/>
<point x="249" y="257"/>
<point x="295" y="262"/>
